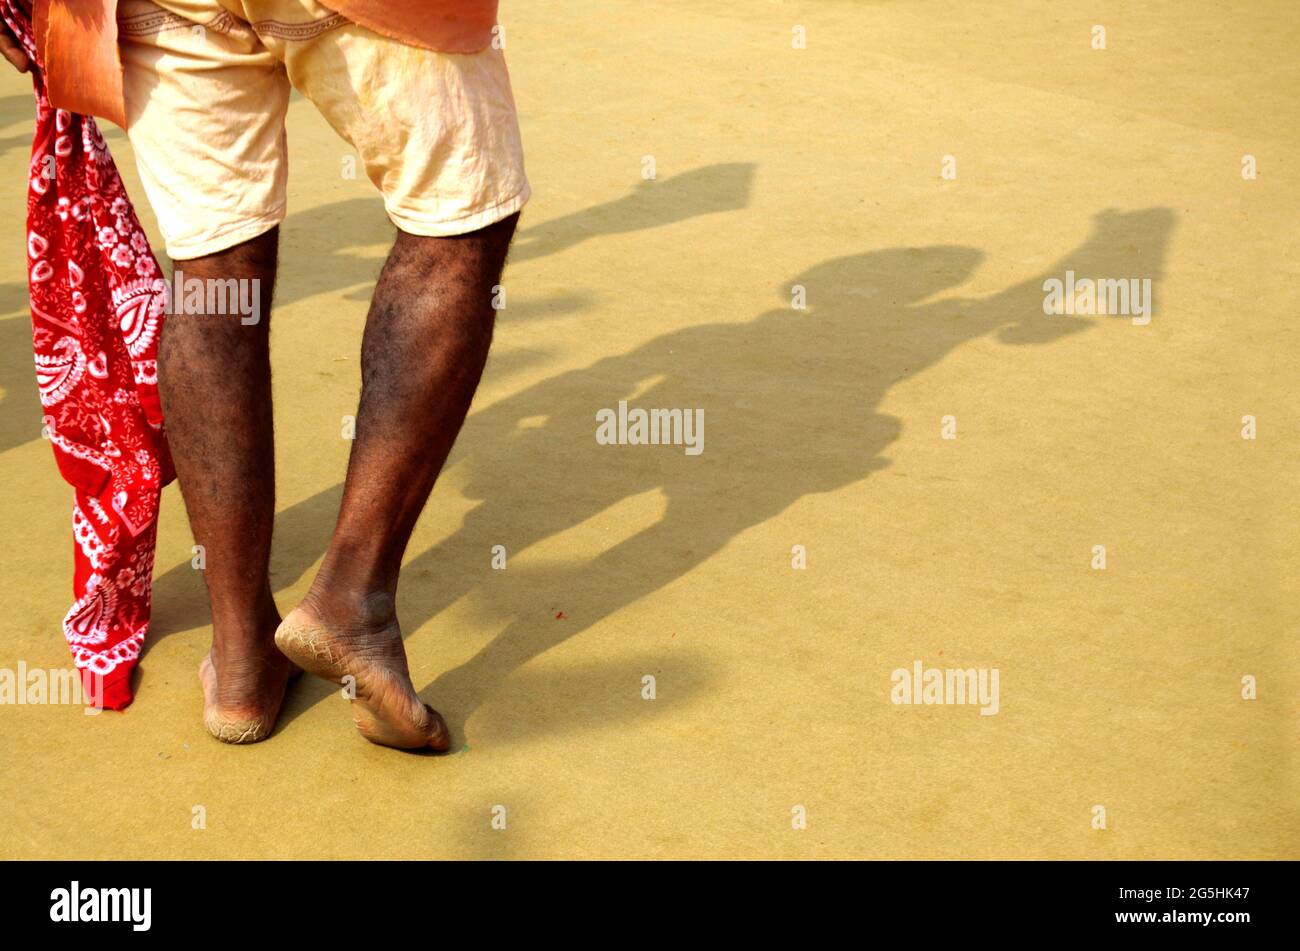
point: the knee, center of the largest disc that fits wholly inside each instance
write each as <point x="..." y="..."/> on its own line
<point x="476" y="256"/>
<point x="257" y="255"/>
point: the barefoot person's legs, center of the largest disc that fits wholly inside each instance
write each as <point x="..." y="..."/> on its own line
<point x="426" y="340"/>
<point x="437" y="133"/>
<point x="205" y="114"/>
<point x="214" y="377"/>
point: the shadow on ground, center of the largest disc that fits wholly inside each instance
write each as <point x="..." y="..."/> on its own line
<point x="791" y="404"/>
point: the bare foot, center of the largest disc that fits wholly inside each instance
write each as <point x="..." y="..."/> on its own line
<point x="242" y="699"/>
<point x="366" y="647"/>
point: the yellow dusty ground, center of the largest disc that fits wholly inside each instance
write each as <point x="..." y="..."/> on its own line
<point x="775" y="166"/>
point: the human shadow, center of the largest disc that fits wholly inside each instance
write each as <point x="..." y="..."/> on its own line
<point x="330" y="235"/>
<point x="791" y="401"/>
<point x="791" y="409"/>
<point x="707" y="190"/>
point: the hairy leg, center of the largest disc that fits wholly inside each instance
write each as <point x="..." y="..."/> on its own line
<point x="215" y="382"/>
<point x="426" y="341"/>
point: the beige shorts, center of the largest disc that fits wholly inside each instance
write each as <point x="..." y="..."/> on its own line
<point x="207" y="87"/>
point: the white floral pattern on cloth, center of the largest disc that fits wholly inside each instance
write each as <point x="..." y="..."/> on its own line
<point x="98" y="300"/>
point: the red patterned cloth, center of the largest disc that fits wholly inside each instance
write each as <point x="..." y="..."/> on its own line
<point x="98" y="298"/>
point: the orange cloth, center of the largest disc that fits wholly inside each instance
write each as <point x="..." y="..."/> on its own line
<point x="78" y="40"/>
<point x="448" y="26"/>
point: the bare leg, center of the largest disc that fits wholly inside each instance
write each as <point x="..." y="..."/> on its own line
<point x="215" y="383"/>
<point x="426" y="340"/>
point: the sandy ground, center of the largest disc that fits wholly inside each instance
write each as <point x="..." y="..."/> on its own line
<point x="776" y="166"/>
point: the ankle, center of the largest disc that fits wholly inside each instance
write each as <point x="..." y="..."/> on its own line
<point x="364" y="607"/>
<point x="248" y="632"/>
<point x="245" y="633"/>
<point x="238" y="658"/>
<point x="377" y="609"/>
<point x="350" y="585"/>
<point x="357" y="569"/>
